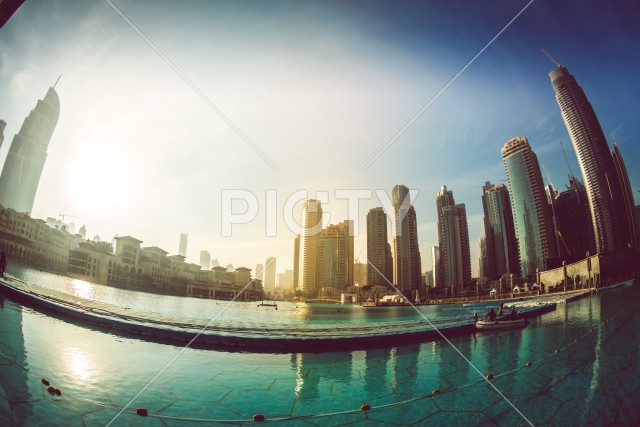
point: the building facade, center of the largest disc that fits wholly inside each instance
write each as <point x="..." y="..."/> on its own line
<point x="604" y="192"/>
<point x="379" y="272"/>
<point x="501" y="245"/>
<point x="335" y="258"/>
<point x="407" y="271"/>
<point x="531" y="210"/>
<point x="309" y="243"/>
<point x="27" y="154"/>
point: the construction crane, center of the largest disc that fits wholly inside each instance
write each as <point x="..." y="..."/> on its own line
<point x="566" y="159"/>
<point x="547" y="173"/>
<point x="550" y="57"/>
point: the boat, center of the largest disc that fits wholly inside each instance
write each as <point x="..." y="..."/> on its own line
<point x="499" y="324"/>
<point x="266" y="304"/>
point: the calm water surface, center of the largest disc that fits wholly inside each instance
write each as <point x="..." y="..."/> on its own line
<point x="592" y="380"/>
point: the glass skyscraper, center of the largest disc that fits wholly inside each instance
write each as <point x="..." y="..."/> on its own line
<point x="530" y="207"/>
<point x="501" y="244"/>
<point x="27" y="154"/>
<point x="379" y="270"/>
<point x="453" y="241"/>
<point x="606" y="202"/>
<point x="406" y="273"/>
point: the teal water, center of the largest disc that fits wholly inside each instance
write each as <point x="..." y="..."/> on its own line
<point x="593" y="379"/>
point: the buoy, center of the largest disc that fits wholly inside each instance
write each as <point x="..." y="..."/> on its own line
<point x="436" y="391"/>
<point x="45" y="381"/>
<point x="51" y="389"/>
<point x="365" y="407"/>
<point x="258" y="418"/>
<point x="557" y="350"/>
<point x="528" y="364"/>
<point x="142" y="412"/>
<point x="489" y="376"/>
<point x="58" y="392"/>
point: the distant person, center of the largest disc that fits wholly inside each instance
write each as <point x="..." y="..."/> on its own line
<point x="3" y="263"/>
<point x="500" y="309"/>
<point x="475" y="317"/>
<point x="491" y="315"/>
<point x="514" y="312"/>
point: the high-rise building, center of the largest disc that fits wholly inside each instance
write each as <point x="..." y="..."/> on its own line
<point x="379" y="272"/>
<point x="436" y="267"/>
<point x="215" y="263"/>
<point x="309" y="243"/>
<point x="205" y="260"/>
<point x="407" y="271"/>
<point x="182" y="247"/>
<point x="260" y="273"/>
<point x="360" y="273"/>
<point x="335" y="257"/>
<point x="3" y="124"/>
<point x="27" y="154"/>
<point x="482" y="261"/>
<point x="627" y="197"/>
<point x="572" y="221"/>
<point x="453" y="241"/>
<point x="269" y="283"/>
<point x="604" y="192"/>
<point x="501" y="245"/>
<point x="532" y="214"/>
<point x="297" y="280"/>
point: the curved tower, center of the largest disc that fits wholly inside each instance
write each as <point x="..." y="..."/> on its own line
<point x="600" y="179"/>
<point x="530" y="207"/>
<point x="27" y="154"/>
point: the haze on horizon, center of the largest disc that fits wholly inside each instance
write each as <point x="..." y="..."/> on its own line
<point x="319" y="88"/>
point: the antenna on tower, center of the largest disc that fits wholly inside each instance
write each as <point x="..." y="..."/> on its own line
<point x="566" y="159"/>
<point x="547" y="173"/>
<point x="54" y="85"/>
<point x="550" y="57"/>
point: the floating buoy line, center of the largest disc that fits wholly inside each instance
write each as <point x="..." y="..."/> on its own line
<point x="56" y="394"/>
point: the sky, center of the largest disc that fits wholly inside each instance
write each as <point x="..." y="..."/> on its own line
<point x="191" y="117"/>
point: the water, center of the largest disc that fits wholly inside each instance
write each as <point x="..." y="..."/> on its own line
<point x="592" y="380"/>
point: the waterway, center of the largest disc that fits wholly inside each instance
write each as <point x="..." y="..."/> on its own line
<point x="584" y="367"/>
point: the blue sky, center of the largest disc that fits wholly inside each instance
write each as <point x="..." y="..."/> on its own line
<point x="320" y="88"/>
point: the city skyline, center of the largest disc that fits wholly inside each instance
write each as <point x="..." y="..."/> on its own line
<point x="105" y="168"/>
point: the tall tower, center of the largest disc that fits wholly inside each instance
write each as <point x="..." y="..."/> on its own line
<point x="3" y="124"/>
<point x="603" y="187"/>
<point x="501" y="245"/>
<point x="27" y="154"/>
<point x="269" y="283"/>
<point x="531" y="209"/>
<point x="453" y="240"/>
<point x="296" y="279"/>
<point x="335" y="256"/>
<point x="377" y="248"/>
<point x="205" y="260"/>
<point x="627" y="197"/>
<point x="309" y="242"/>
<point x="182" y="247"/>
<point x="407" y="273"/>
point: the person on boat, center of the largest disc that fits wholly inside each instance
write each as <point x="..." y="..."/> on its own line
<point x="475" y="317"/>
<point x="500" y="309"/>
<point x="514" y="313"/>
<point x="491" y="315"/>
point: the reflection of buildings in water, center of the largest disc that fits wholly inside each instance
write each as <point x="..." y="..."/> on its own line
<point x="403" y="368"/>
<point x="13" y="379"/>
<point x="375" y="370"/>
<point x="311" y="369"/>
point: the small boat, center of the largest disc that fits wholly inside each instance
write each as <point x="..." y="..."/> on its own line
<point x="499" y="324"/>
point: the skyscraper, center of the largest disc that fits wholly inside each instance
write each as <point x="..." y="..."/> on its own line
<point x="530" y="207"/>
<point x="407" y="272"/>
<point x="182" y="247"/>
<point x="27" y="154"/>
<point x="269" y="283"/>
<point x="436" y="267"/>
<point x="627" y="197"/>
<point x="572" y="221"/>
<point x="335" y="256"/>
<point x="378" y="249"/>
<point x="296" y="279"/>
<point x="501" y="245"/>
<point x="309" y="242"/>
<point x="453" y="240"/>
<point x="603" y="187"/>
<point x="205" y="260"/>
<point x="260" y="273"/>
<point x="3" y="124"/>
